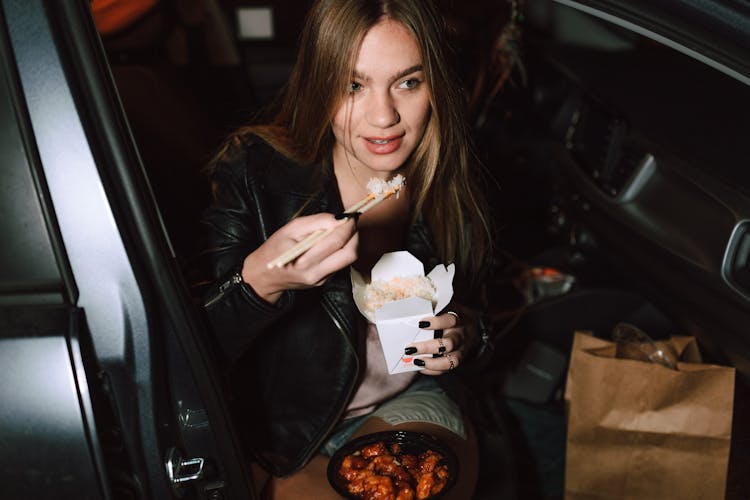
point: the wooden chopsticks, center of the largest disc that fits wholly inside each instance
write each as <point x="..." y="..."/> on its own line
<point x="367" y="203"/>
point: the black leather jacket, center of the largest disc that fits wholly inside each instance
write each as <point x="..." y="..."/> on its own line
<point x="293" y="365"/>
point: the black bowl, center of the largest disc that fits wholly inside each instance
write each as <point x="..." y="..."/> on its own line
<point x="411" y="442"/>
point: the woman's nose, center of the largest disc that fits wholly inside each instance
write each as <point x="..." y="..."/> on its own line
<point x="382" y="111"/>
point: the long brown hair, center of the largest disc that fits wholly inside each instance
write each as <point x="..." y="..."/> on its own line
<point x="442" y="173"/>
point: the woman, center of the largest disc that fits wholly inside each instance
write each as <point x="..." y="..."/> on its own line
<point x="370" y="96"/>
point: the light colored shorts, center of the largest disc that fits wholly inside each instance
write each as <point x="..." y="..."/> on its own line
<point x="423" y="401"/>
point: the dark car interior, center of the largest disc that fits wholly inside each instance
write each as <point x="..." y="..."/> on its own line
<point x="615" y="155"/>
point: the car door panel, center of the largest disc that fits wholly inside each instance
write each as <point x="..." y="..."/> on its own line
<point x="105" y="254"/>
<point x="650" y="141"/>
<point x="50" y="446"/>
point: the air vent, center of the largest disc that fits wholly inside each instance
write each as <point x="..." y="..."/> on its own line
<point x="595" y="141"/>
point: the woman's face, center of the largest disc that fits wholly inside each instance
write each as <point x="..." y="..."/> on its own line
<point x="379" y="124"/>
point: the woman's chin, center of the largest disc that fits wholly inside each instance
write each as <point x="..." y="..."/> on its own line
<point x="385" y="166"/>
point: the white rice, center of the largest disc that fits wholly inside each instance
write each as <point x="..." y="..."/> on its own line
<point x="380" y="292"/>
<point x="379" y="186"/>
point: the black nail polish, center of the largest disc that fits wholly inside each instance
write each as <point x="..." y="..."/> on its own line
<point x="410" y="350"/>
<point x="419" y="362"/>
<point x="346" y="215"/>
<point x="438" y="334"/>
<point x="437" y="355"/>
<point x="424" y="324"/>
<point x="441" y="349"/>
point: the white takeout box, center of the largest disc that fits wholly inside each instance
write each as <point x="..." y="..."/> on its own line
<point x="398" y="321"/>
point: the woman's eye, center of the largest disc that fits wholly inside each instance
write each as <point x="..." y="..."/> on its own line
<point x="409" y="84"/>
<point x="354" y="87"/>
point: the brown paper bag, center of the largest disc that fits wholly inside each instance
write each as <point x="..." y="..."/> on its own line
<point x="639" y="430"/>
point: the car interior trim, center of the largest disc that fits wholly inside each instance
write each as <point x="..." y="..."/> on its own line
<point x="657" y="38"/>
<point x="640" y="178"/>
<point x="737" y="259"/>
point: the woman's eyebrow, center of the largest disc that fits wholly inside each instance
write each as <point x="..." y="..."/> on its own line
<point x="401" y="74"/>
<point x="408" y="71"/>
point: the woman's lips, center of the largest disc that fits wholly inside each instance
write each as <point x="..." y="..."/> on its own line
<point x="383" y="145"/>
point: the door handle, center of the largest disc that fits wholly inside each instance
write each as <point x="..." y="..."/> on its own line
<point x="182" y="470"/>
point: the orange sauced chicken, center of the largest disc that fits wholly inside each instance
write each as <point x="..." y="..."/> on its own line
<point x="380" y="472"/>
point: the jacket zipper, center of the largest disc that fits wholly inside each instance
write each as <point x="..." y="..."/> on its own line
<point x="340" y="328"/>
<point x="233" y="281"/>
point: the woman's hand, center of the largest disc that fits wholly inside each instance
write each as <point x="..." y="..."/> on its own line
<point x="336" y="251"/>
<point x="455" y="339"/>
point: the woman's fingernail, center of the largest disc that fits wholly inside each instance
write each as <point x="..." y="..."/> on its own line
<point x="347" y="215"/>
<point x="424" y="324"/>
<point x="441" y="349"/>
<point x="419" y="362"/>
<point x="438" y="334"/>
<point x="410" y="350"/>
<point x="437" y="355"/>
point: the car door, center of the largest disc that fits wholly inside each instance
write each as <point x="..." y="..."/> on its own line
<point x="111" y="389"/>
